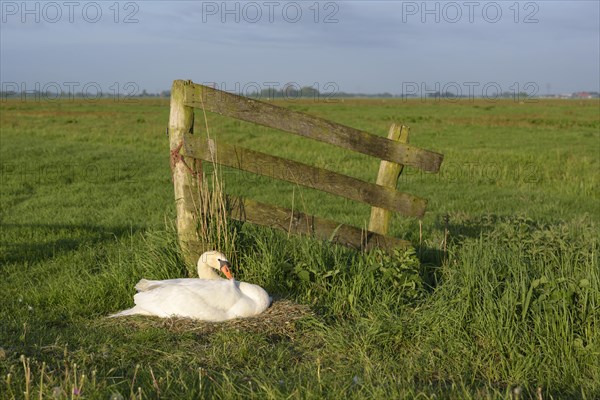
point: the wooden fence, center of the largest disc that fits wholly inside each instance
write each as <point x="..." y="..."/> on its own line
<point x="188" y="151"/>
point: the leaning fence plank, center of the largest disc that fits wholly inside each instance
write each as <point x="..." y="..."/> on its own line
<point x="388" y="177"/>
<point x="267" y="114"/>
<point x="185" y="182"/>
<point x="299" y="223"/>
<point x="305" y="175"/>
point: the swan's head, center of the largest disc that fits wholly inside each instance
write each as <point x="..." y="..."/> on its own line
<point x="213" y="261"/>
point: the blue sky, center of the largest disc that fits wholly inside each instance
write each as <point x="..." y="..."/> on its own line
<point x="352" y="46"/>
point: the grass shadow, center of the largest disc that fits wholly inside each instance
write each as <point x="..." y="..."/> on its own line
<point x="431" y="260"/>
<point x="16" y="245"/>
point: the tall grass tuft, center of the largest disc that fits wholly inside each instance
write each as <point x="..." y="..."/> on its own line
<point x="214" y="228"/>
<point x="521" y="303"/>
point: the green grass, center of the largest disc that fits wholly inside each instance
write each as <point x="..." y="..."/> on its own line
<point x="512" y="306"/>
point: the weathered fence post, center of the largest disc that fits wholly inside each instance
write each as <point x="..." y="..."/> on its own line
<point x="388" y="177"/>
<point x="186" y="173"/>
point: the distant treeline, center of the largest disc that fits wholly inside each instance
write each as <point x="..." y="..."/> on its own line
<point x="48" y="95"/>
<point x="306" y="92"/>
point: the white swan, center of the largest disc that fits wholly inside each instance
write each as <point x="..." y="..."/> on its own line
<point x="209" y="298"/>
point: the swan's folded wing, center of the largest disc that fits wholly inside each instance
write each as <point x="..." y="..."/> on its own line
<point x="193" y="298"/>
<point x="147" y="284"/>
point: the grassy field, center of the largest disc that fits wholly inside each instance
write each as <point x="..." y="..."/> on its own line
<point x="510" y="309"/>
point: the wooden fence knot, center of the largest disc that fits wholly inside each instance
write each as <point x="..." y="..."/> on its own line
<point x="176" y="157"/>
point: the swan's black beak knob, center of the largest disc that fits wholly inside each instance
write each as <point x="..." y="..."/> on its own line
<point x="225" y="268"/>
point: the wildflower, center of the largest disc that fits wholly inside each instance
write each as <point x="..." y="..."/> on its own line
<point x="57" y="392"/>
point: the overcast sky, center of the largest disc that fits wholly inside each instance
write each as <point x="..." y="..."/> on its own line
<point x="352" y="46"/>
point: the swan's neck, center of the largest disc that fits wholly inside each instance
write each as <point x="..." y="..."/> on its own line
<point x="206" y="272"/>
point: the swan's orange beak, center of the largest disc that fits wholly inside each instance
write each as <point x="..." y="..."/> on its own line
<point x="225" y="270"/>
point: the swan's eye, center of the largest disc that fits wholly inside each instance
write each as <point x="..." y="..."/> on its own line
<point x="222" y="262"/>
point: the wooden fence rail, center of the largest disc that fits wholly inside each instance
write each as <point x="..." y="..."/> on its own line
<point x="187" y="151"/>
<point x="302" y="174"/>
<point x="270" y="115"/>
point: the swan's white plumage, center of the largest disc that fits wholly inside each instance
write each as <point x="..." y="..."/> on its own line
<point x="203" y="299"/>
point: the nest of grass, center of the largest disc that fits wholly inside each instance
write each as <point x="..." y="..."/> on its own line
<point x="279" y="319"/>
